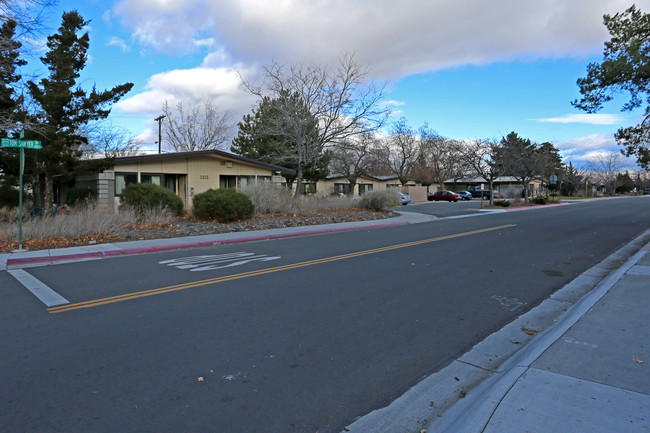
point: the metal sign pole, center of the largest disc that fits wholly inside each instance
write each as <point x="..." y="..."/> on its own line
<point x="20" y="194"/>
<point x="20" y="200"/>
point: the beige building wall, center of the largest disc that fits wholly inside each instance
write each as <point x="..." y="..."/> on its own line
<point x="326" y="187"/>
<point x="197" y="174"/>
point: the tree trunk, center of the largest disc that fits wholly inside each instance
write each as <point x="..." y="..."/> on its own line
<point x="353" y="183"/>
<point x="48" y="201"/>
<point x="37" y="191"/>
<point x="491" y="186"/>
<point x="525" y="185"/>
<point x="299" y="171"/>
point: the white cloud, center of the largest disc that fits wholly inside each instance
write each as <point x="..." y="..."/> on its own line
<point x="117" y="42"/>
<point x="396" y="37"/>
<point x="207" y="42"/>
<point x="581" y="150"/>
<point x="582" y="145"/>
<point x="222" y="86"/>
<point x="591" y="119"/>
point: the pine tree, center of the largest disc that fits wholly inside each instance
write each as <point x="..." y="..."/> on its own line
<point x="63" y="107"/>
<point x="9" y="101"/>
<point x="284" y="132"/>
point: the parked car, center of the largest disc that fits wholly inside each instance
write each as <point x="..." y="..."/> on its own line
<point x="443" y="195"/>
<point x="464" y="195"/>
<point x="482" y="193"/>
<point x="403" y="198"/>
<point x="646" y="191"/>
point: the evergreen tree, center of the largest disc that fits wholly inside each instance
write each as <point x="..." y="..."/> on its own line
<point x="624" y="68"/>
<point x="283" y="131"/>
<point x="9" y="101"/>
<point x="63" y="107"/>
<point x="522" y="159"/>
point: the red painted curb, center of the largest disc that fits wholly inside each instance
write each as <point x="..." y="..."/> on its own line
<point x="153" y="249"/>
<point x="535" y="207"/>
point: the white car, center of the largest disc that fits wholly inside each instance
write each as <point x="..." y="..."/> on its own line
<point x="403" y="198"/>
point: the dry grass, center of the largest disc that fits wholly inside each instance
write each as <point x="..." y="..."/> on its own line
<point x="271" y="199"/>
<point x="79" y="222"/>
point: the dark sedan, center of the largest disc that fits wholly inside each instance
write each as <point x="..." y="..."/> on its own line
<point x="443" y="195"/>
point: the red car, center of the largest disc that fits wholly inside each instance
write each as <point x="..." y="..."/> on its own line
<point x="443" y="195"/>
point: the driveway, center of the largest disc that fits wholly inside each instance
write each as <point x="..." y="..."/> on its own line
<point x="443" y="209"/>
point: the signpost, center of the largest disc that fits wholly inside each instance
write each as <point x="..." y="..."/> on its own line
<point x="22" y="145"/>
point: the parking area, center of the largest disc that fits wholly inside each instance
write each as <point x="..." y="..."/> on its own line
<point x="443" y="209"/>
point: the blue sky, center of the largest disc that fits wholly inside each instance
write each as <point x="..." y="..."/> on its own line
<point x="469" y="68"/>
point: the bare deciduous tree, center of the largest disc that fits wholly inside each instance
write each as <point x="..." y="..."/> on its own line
<point x="352" y="158"/>
<point x="438" y="158"/>
<point x="108" y="140"/>
<point x="481" y="157"/>
<point x="197" y="127"/>
<point x="341" y="102"/>
<point x="604" y="169"/>
<point x="401" y="148"/>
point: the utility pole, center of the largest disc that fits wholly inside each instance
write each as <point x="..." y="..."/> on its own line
<point x="159" y="120"/>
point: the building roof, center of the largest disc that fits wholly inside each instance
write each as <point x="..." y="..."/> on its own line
<point x="211" y="153"/>
<point x="500" y="179"/>
<point x="340" y="176"/>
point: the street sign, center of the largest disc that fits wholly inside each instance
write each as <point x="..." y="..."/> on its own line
<point x="25" y="144"/>
<point x="553" y="179"/>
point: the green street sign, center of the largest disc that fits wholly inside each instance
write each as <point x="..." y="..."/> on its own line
<point x="25" y="144"/>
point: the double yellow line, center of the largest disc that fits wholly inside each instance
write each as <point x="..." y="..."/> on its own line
<point x="136" y="295"/>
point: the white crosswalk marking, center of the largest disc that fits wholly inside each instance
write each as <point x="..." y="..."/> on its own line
<point x="48" y="296"/>
<point x="210" y="262"/>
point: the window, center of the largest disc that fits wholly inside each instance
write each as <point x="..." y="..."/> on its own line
<point x="122" y="180"/>
<point x="228" y="182"/>
<point x="341" y="188"/>
<point x="363" y="188"/>
<point x="151" y="178"/>
<point x="309" y="188"/>
<point x="244" y="181"/>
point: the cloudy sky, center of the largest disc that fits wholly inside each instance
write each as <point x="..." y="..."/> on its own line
<point x="468" y="68"/>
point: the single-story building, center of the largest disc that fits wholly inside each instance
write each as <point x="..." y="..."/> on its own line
<point x="337" y="185"/>
<point x="504" y="186"/>
<point x="184" y="173"/>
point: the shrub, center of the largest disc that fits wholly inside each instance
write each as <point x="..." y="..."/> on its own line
<point x="502" y="203"/>
<point x="143" y="196"/>
<point x="539" y="200"/>
<point x="379" y="200"/>
<point x="268" y="198"/>
<point x="223" y="205"/>
<point x="76" y="197"/>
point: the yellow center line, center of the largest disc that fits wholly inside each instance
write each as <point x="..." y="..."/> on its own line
<point x="136" y="295"/>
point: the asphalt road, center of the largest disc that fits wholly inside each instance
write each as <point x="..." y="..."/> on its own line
<point x="443" y="209"/>
<point x="297" y="335"/>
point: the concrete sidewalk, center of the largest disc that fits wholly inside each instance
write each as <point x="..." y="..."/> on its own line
<point x="28" y="259"/>
<point x="585" y="368"/>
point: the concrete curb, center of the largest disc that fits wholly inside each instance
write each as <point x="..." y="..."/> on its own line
<point x="462" y="396"/>
<point x="102" y="251"/>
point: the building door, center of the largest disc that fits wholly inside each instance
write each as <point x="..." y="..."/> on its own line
<point x="181" y="181"/>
